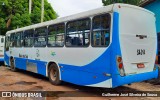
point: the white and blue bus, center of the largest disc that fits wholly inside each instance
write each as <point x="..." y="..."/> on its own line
<point x="2" y="41"/>
<point x="106" y="47"/>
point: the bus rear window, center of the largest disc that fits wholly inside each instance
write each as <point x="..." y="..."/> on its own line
<point x="101" y="30"/>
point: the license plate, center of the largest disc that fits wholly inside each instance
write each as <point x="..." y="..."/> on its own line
<point x="140" y="66"/>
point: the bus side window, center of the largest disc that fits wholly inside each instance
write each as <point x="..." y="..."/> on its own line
<point x="40" y="37"/>
<point x="56" y="35"/>
<point x="78" y="33"/>
<point x="51" y="36"/>
<point x="18" y="38"/>
<point x="12" y="40"/>
<point x="101" y="30"/>
<point x="7" y="43"/>
<point x="60" y="35"/>
<point x="28" y="38"/>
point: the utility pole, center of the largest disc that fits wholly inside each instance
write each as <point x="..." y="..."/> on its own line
<point x="30" y="6"/>
<point x="42" y="10"/>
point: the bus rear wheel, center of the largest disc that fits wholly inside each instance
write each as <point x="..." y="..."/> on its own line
<point x="13" y="68"/>
<point x="53" y="75"/>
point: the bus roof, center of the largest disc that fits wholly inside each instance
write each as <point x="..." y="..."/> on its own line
<point x="109" y="8"/>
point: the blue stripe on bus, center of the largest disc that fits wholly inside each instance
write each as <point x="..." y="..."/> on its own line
<point x="116" y="51"/>
<point x="81" y="75"/>
<point x="119" y="80"/>
<point x="1" y="59"/>
<point x="85" y="75"/>
<point x="6" y="59"/>
<point x="41" y="66"/>
<point x="21" y="63"/>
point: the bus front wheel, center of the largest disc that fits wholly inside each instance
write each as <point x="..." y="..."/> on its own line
<point x="13" y="68"/>
<point x="53" y="74"/>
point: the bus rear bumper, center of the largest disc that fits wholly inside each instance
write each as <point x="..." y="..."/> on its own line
<point x="118" y="80"/>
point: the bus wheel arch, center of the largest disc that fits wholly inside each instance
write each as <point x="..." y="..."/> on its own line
<point x="53" y="72"/>
<point x="12" y="64"/>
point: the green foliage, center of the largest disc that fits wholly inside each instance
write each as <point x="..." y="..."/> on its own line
<point x="15" y="14"/>
<point x="133" y="2"/>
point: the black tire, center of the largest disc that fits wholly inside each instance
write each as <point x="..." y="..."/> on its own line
<point x="1" y="63"/>
<point x="53" y="75"/>
<point x="13" y="68"/>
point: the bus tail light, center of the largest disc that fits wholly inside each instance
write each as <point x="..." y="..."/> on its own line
<point x="119" y="59"/>
<point x="120" y="66"/>
<point x="156" y="63"/>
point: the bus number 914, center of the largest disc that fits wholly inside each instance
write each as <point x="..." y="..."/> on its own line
<point x="140" y="51"/>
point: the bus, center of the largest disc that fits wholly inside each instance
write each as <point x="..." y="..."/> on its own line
<point x="106" y="47"/>
<point x="2" y="40"/>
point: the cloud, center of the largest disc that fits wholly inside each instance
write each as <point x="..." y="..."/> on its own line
<point x="69" y="7"/>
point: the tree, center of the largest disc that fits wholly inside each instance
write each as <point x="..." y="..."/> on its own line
<point x="15" y="14"/>
<point x="133" y="2"/>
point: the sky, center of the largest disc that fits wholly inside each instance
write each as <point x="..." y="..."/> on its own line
<point x="69" y="7"/>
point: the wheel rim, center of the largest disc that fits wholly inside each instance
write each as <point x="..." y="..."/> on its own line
<point x="53" y="74"/>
